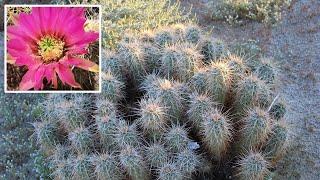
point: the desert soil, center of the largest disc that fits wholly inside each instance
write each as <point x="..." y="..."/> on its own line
<point x="295" y="45"/>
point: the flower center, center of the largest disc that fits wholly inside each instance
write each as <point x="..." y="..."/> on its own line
<point x="50" y="48"/>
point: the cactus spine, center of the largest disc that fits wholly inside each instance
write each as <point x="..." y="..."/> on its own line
<point x="170" y="95"/>
<point x="81" y="139"/>
<point x="177" y="139"/>
<point x="278" y="141"/>
<point x="199" y="105"/>
<point x="216" y="131"/>
<point x="188" y="162"/>
<point x="156" y="155"/>
<point x="250" y="92"/>
<point x="170" y="171"/>
<point x="153" y="118"/>
<point x="253" y="166"/>
<point x="255" y="130"/>
<point x="133" y="163"/>
<point x="106" y="167"/>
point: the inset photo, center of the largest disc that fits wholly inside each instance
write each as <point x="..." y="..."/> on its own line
<point x="52" y="48"/>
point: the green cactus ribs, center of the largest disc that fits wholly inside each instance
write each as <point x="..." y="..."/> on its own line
<point x="175" y="104"/>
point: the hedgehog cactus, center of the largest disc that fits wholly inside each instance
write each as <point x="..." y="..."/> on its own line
<point x="153" y="118"/>
<point x="169" y="93"/>
<point x="83" y="167"/>
<point x="170" y="171"/>
<point x="278" y="110"/>
<point x="213" y="50"/>
<point x="127" y="135"/>
<point x="278" y="141"/>
<point x="193" y="34"/>
<point x="63" y="170"/>
<point x="131" y="55"/>
<point x="106" y="129"/>
<point x="147" y="36"/>
<point x="199" y="105"/>
<point x="237" y="67"/>
<point x="156" y="154"/>
<point x="216" y="133"/>
<point x="47" y="134"/>
<point x="61" y="152"/>
<point x="250" y="92"/>
<point x="112" y="63"/>
<point x="81" y="139"/>
<point x="105" y="107"/>
<point x="112" y="88"/>
<point x="188" y="162"/>
<point x="265" y="71"/>
<point x="134" y="164"/>
<point x="51" y="107"/>
<point x="180" y="61"/>
<point x="198" y="81"/>
<point x="255" y="130"/>
<point x="177" y="139"/>
<point x="70" y="110"/>
<point x="253" y="166"/>
<point x="172" y="102"/>
<point x="164" y="37"/>
<point x="153" y="55"/>
<point x="214" y="80"/>
<point x="107" y="167"/>
<point x="75" y="111"/>
<point x="218" y="81"/>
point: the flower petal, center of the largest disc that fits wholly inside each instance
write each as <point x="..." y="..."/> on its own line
<point x="66" y="76"/>
<point x="81" y="63"/>
<point x="78" y="12"/>
<point x="77" y="50"/>
<point x="51" y="75"/>
<point x="16" y="32"/>
<point x="17" y="45"/>
<point x="84" y="38"/>
<point x="30" y="28"/>
<point x="65" y="18"/>
<point x="55" y="80"/>
<point x="49" y="71"/>
<point x="27" y="81"/>
<point x="38" y="77"/>
<point x="21" y="53"/>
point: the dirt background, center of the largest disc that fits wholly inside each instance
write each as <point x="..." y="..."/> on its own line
<point x="295" y="45"/>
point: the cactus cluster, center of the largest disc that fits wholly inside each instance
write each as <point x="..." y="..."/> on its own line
<point x="174" y="105"/>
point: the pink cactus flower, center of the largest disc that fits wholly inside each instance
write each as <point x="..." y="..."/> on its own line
<point x="49" y="42"/>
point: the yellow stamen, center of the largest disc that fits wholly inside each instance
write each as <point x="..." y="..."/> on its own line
<point x="50" y="48"/>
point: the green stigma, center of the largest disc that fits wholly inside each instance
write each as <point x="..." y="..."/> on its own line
<point x="50" y="48"/>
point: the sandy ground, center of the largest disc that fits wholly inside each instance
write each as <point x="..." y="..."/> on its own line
<point x="295" y="46"/>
